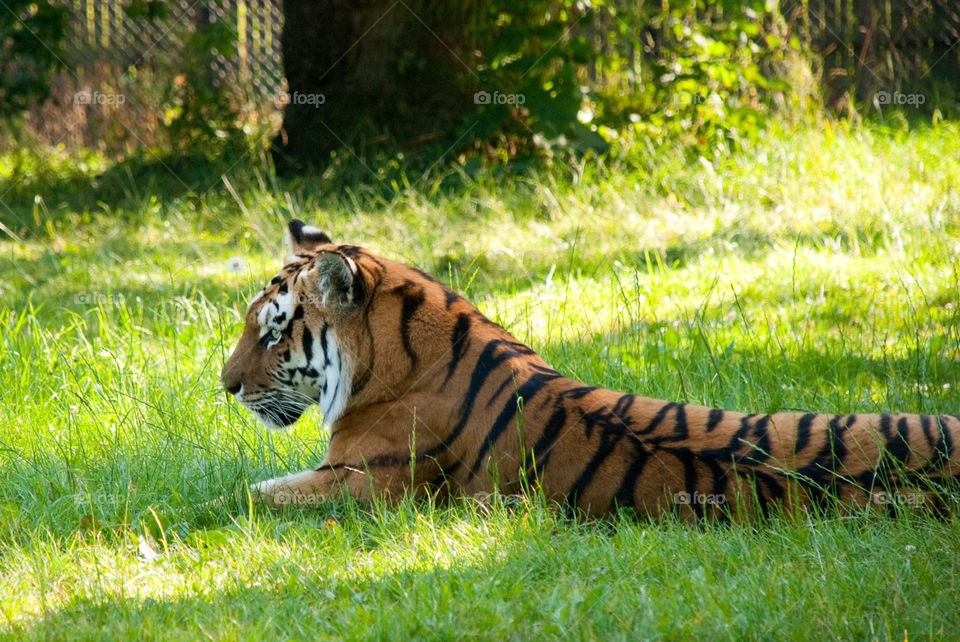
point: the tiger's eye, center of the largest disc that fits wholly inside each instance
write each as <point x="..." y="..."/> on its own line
<point x="275" y="334"/>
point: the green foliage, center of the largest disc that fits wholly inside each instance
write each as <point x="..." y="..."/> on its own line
<point x="31" y="48"/>
<point x="711" y="74"/>
<point x="578" y="77"/>
<point x="529" y="75"/>
<point x="198" y="109"/>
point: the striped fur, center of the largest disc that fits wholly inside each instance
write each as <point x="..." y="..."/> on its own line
<point x="408" y="372"/>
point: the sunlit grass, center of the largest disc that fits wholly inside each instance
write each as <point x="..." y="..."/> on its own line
<point x="818" y="271"/>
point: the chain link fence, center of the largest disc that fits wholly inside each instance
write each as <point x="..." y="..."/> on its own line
<point x="107" y="31"/>
<point x="128" y="66"/>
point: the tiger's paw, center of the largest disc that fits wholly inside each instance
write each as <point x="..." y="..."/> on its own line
<point x="298" y="489"/>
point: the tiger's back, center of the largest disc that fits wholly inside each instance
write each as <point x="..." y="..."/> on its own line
<point x="423" y="392"/>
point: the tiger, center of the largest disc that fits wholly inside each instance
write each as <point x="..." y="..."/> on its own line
<point x="422" y="394"/>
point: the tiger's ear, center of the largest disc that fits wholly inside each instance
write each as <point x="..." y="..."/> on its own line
<point x="339" y="282"/>
<point x="304" y="238"/>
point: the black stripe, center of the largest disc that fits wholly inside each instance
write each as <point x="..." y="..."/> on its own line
<point x="323" y="345"/>
<point x="716" y="416"/>
<point x="690" y="478"/>
<point x="803" y="432"/>
<point x="827" y="459"/>
<point x="838" y="448"/>
<point x="680" y="427"/>
<point x="486" y="363"/>
<point x="413" y="298"/>
<point x="627" y="492"/>
<point x="899" y="446"/>
<point x="776" y="491"/>
<point x="354" y="251"/>
<point x="363" y="376"/>
<point x="512" y="379"/>
<point x="885" y="423"/>
<point x="925" y="426"/>
<point x="458" y="344"/>
<point x="657" y="418"/>
<point x="680" y="431"/>
<point x="736" y="442"/>
<point x="761" y="448"/>
<point x="362" y="381"/>
<point x="543" y="448"/>
<point x="307" y="340"/>
<point x="608" y="441"/>
<point x="944" y="448"/>
<point x="719" y="477"/>
<point x="527" y="391"/>
<point x="575" y="391"/>
<point x="762" y="500"/>
<point x="333" y="397"/>
<point x="622" y="408"/>
<point x="428" y="277"/>
<point x="450" y="297"/>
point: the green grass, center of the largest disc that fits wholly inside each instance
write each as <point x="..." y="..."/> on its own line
<point x="817" y="271"/>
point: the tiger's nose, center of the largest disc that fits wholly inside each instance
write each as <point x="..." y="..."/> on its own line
<point x="233" y="389"/>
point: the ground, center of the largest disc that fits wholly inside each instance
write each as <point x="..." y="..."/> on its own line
<point x="817" y="270"/>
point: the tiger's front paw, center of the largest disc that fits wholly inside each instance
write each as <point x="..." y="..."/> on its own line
<point x="298" y="489"/>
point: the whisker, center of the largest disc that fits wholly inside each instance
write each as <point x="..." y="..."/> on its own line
<point x="293" y="395"/>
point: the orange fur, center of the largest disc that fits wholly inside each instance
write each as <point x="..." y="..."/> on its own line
<point x="399" y="361"/>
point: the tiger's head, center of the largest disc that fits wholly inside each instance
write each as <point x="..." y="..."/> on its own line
<point x="296" y="348"/>
<point x="344" y="328"/>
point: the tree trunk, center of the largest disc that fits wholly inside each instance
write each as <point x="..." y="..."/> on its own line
<point x="370" y="73"/>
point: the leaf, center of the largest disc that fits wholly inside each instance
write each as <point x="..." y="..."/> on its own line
<point x="216" y="537"/>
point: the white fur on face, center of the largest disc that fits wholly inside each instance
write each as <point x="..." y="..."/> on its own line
<point x="335" y="389"/>
<point x="275" y="314"/>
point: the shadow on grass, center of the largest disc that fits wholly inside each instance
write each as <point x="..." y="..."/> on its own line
<point x="40" y="191"/>
<point x="285" y="600"/>
<point x="632" y="581"/>
<point x="123" y="187"/>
